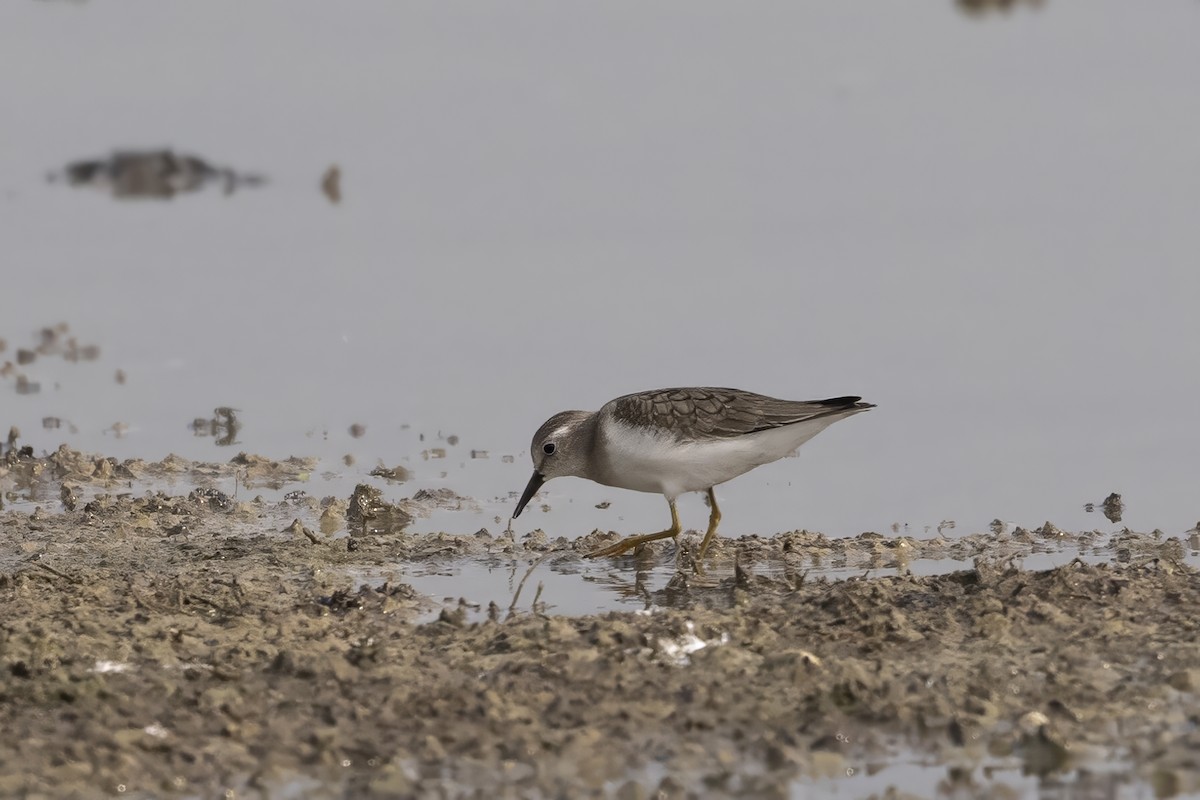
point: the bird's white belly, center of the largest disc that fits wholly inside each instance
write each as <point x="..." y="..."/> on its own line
<point x="638" y="459"/>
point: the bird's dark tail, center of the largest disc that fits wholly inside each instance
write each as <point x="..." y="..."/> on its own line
<point x="845" y="402"/>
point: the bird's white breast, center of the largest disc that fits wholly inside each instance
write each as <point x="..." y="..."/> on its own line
<point x="645" y="460"/>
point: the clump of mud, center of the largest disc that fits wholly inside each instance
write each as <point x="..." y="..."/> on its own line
<point x="154" y="174"/>
<point x="1113" y="507"/>
<point x="42" y="476"/>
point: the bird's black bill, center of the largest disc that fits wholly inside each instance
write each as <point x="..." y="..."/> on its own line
<point x="535" y="483"/>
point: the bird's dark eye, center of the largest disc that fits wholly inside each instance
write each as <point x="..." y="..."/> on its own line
<point x="548" y="448"/>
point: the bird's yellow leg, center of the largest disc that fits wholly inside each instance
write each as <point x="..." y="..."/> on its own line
<point x="714" y="519"/>
<point x="630" y="542"/>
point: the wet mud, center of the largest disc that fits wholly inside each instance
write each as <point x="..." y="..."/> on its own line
<point x="157" y="644"/>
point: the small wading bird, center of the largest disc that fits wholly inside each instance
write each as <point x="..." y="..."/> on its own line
<point x="673" y="441"/>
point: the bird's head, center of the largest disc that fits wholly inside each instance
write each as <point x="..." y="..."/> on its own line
<point x="560" y="447"/>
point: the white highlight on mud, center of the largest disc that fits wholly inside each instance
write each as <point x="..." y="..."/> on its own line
<point x="679" y="650"/>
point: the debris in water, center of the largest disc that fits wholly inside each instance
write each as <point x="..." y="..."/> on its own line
<point x="979" y="8"/>
<point x="396" y="474"/>
<point x="1113" y="507"/>
<point x="223" y="426"/>
<point x="158" y="174"/>
<point x="331" y="184"/>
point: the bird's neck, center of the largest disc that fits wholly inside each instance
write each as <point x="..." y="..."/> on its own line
<point x="589" y="436"/>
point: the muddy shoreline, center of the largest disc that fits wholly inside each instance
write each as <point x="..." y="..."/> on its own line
<point x="190" y="645"/>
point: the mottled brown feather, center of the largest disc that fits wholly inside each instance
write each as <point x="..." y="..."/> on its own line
<point x="710" y="412"/>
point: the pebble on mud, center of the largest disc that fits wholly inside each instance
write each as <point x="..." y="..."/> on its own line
<point x="297" y="529"/>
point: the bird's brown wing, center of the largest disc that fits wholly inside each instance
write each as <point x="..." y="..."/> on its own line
<point x="714" y="413"/>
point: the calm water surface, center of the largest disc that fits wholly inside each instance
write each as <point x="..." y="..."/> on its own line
<point x="983" y="223"/>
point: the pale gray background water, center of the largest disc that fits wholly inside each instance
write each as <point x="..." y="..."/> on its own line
<point x="988" y="226"/>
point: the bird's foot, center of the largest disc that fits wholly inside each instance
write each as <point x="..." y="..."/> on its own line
<point x="630" y="542"/>
<point x="614" y="549"/>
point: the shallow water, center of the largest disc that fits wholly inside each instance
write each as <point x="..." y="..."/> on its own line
<point x="983" y="222"/>
<point x="910" y="775"/>
<point x="563" y="583"/>
<point x="994" y="778"/>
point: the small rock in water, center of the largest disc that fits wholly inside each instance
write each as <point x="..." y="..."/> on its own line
<point x="331" y="184"/>
<point x="397" y="474"/>
<point x="1113" y="507"/>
